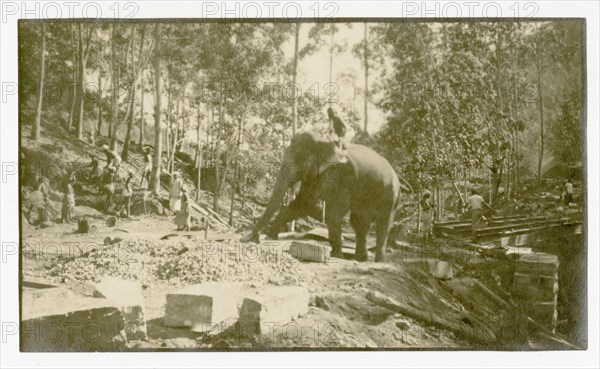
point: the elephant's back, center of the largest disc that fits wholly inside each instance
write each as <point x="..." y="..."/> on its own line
<point x="377" y="184"/>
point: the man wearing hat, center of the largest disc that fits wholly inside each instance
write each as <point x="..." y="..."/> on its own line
<point x="175" y="193"/>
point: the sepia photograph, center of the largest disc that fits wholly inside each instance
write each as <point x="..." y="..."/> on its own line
<point x="337" y="184"/>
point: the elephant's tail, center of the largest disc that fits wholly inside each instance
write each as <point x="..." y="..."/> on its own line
<point x="405" y="186"/>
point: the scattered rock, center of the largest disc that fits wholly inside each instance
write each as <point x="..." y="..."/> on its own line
<point x="112" y="241"/>
<point x="111" y="221"/>
<point x="403" y="325"/>
<point x="46" y="224"/>
<point x="321" y="303"/>
<point x="83" y="226"/>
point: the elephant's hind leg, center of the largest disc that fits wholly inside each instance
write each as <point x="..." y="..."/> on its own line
<point x="383" y="230"/>
<point x="361" y="226"/>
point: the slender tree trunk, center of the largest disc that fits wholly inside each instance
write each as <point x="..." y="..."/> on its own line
<point x="71" y="120"/>
<point x="243" y="192"/>
<point x="131" y="107"/>
<point x="366" y="61"/>
<point x="156" y="167"/>
<point x="142" y="120"/>
<point x="99" y="103"/>
<point x="331" y="66"/>
<point x="80" y="84"/>
<point x="130" y="115"/>
<point x="199" y="153"/>
<point x="115" y="91"/>
<point x="177" y="125"/>
<point x="236" y="171"/>
<point x="294" y="76"/>
<point x="169" y="129"/>
<point x="35" y="130"/>
<point x="541" y="111"/>
<point x="217" y="188"/>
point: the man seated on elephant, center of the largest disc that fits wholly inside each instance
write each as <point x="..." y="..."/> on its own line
<point x="339" y="131"/>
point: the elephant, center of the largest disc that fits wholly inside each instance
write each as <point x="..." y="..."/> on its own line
<point x="355" y="180"/>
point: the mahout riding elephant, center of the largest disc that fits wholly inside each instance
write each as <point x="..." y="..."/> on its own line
<point x="356" y="180"/>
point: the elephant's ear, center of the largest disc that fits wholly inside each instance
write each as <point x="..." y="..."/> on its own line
<point x="329" y="153"/>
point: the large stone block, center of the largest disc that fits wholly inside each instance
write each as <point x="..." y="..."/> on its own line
<point x="204" y="307"/>
<point x="55" y="319"/>
<point x="271" y="308"/>
<point x="127" y="296"/>
<point x="545" y="312"/>
<point x="535" y="287"/>
<point x="538" y="264"/>
<point x="310" y="251"/>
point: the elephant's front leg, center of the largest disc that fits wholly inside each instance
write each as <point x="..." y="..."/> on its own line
<point x="298" y="208"/>
<point x="301" y="206"/>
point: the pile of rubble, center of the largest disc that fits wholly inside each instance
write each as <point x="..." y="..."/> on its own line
<point x="181" y="264"/>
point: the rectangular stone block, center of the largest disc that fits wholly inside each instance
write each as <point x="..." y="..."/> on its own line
<point x="271" y="308"/>
<point x="538" y="264"/>
<point x="534" y="287"/>
<point x="310" y="251"/>
<point x="55" y="319"/>
<point x="545" y="312"/>
<point x="127" y="296"/>
<point x="204" y="307"/>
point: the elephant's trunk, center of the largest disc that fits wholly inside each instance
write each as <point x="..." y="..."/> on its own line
<point x="286" y="177"/>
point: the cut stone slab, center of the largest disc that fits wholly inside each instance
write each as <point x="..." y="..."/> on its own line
<point x="538" y="264"/>
<point x="271" y="309"/>
<point x="310" y="251"/>
<point x="206" y="307"/>
<point x="127" y="296"/>
<point x="55" y="319"/>
<point x="535" y="287"/>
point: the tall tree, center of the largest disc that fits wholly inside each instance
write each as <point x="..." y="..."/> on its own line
<point x="157" y="67"/>
<point x="84" y="48"/>
<point x="115" y="81"/>
<point x="136" y="72"/>
<point x="366" y="66"/>
<point x="35" y="130"/>
<point x="74" y="93"/>
<point x="294" y="79"/>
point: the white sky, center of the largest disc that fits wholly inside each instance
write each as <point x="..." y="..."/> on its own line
<point x="315" y="69"/>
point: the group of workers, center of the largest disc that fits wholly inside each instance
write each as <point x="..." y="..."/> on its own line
<point x="106" y="177"/>
<point x="475" y="203"/>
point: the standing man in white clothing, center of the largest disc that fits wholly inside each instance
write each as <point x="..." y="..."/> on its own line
<point x="175" y="193"/>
